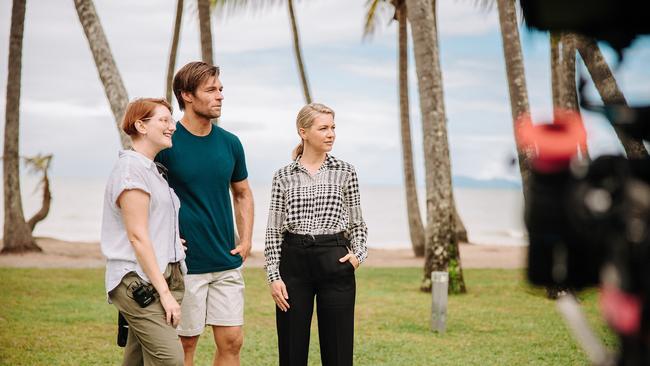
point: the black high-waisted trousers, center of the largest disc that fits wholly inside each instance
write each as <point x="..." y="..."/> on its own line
<point x="309" y="266"/>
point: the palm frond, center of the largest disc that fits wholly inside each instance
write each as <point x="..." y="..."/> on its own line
<point x="38" y="164"/>
<point x="377" y="10"/>
<point x="223" y="8"/>
<point x="486" y="5"/>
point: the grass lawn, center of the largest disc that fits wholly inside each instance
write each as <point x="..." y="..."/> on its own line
<point x="60" y="317"/>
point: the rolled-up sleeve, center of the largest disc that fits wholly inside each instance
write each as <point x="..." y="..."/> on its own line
<point x="274" y="231"/>
<point x="133" y="176"/>
<point x="357" y="230"/>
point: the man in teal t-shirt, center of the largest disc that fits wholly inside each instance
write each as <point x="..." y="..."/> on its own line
<point x="206" y="163"/>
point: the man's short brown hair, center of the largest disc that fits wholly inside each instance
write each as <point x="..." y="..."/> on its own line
<point x="190" y="76"/>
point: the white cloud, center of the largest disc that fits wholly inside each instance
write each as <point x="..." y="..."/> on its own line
<point x="65" y="110"/>
<point x="465" y="18"/>
<point x="49" y="109"/>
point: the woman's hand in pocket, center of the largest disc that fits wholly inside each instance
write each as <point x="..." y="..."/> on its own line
<point x="279" y="294"/>
<point x="351" y="258"/>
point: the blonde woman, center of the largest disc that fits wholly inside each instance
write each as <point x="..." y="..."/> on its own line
<point x="140" y="239"/>
<point x="315" y="240"/>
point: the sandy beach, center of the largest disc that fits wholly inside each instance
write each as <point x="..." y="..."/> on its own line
<point x="65" y="254"/>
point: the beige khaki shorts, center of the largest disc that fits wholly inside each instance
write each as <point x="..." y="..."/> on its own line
<point x="215" y="298"/>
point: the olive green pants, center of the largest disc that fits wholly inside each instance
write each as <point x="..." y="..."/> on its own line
<point x="151" y="340"/>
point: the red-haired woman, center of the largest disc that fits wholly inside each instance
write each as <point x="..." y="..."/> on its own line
<point x="140" y="239"/>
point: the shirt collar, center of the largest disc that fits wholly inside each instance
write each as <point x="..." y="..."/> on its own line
<point x="148" y="163"/>
<point x="330" y="162"/>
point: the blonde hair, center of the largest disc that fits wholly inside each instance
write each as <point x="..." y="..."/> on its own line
<point x="305" y="120"/>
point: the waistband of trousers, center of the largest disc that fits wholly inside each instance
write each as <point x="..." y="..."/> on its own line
<point x="321" y="240"/>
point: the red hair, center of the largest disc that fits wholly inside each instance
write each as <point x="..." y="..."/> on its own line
<point x="139" y="110"/>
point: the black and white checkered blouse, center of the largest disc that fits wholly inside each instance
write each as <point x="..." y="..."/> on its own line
<point x="325" y="203"/>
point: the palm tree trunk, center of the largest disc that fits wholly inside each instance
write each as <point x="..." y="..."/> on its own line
<point x="459" y="227"/>
<point x="205" y="31"/>
<point x="440" y="238"/>
<point x="171" y="64"/>
<point x="556" y="86"/>
<point x="45" y="207"/>
<point x="105" y="63"/>
<point x="608" y="90"/>
<point x="516" y="77"/>
<point x="416" y="228"/>
<point x="298" y="52"/>
<point x="17" y="237"/>
<point x="568" y="92"/>
<point x="559" y="92"/>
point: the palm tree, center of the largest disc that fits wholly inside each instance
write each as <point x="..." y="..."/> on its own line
<point x="563" y="87"/>
<point x="416" y="228"/>
<point x="17" y="237"/>
<point x="516" y="77"/>
<point x="608" y="89"/>
<point x="556" y="69"/>
<point x="441" y="242"/>
<point x="563" y="70"/>
<point x="205" y="31"/>
<point x="298" y="52"/>
<point x="106" y="67"/>
<point x="40" y="164"/>
<point x="171" y="64"/>
<point x="567" y="79"/>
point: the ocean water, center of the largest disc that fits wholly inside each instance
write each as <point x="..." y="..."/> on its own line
<point x="491" y="216"/>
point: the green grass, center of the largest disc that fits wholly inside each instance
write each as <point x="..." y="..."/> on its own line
<point x="60" y="317"/>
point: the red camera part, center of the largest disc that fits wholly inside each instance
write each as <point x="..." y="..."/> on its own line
<point x="552" y="145"/>
<point x="621" y="310"/>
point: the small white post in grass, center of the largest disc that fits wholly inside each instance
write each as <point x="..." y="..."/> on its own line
<point x="439" y="288"/>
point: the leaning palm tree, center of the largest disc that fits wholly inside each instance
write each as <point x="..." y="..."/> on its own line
<point x="608" y="89"/>
<point x="17" y="237"/>
<point x="298" y="53"/>
<point x="171" y="64"/>
<point x="441" y="242"/>
<point x="105" y="63"/>
<point x="40" y="164"/>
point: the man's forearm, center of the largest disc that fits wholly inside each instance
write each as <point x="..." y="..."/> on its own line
<point x="244" y="209"/>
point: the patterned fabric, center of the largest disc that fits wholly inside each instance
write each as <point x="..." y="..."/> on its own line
<point x="325" y="203"/>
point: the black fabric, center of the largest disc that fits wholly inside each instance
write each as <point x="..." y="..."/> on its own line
<point x="310" y="268"/>
<point x="331" y="240"/>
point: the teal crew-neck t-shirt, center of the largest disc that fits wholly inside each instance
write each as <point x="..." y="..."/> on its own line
<point x="200" y="170"/>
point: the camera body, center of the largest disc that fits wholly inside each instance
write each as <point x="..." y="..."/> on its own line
<point x="617" y="22"/>
<point x="587" y="216"/>
<point x="144" y="294"/>
<point x="588" y="224"/>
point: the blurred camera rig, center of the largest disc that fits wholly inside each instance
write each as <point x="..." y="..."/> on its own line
<point x="589" y="221"/>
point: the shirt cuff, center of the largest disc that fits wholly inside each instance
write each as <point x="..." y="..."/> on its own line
<point x="360" y="254"/>
<point x="272" y="274"/>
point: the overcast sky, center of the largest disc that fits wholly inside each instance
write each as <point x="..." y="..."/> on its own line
<point x="64" y="110"/>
